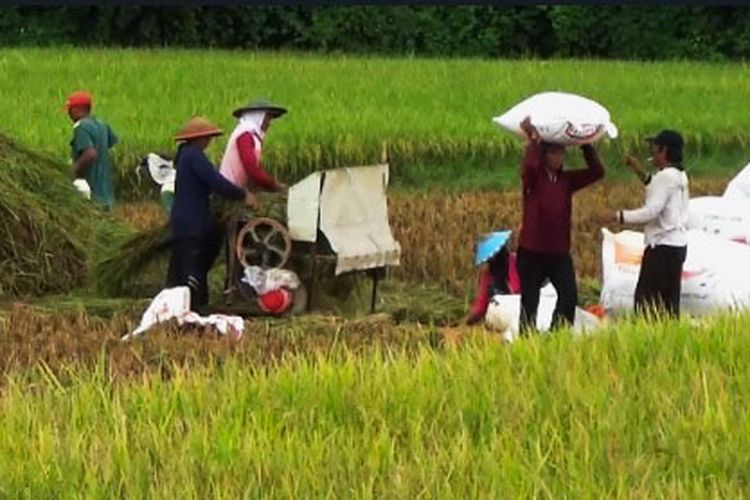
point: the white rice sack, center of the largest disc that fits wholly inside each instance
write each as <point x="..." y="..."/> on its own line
<point x="562" y="118"/>
<point x="716" y="274"/>
<point x="727" y="218"/>
<point x="504" y="312"/>
<point x="739" y="186"/>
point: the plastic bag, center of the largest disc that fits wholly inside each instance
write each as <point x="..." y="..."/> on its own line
<point x="269" y="280"/>
<point x="82" y="186"/>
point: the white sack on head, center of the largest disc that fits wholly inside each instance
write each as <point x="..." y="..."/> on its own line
<point x="562" y="118"/>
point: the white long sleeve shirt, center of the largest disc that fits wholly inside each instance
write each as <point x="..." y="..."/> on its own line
<point x="665" y="213"/>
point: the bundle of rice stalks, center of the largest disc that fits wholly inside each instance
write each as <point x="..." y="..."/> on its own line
<point x="122" y="265"/>
<point x="50" y="236"/>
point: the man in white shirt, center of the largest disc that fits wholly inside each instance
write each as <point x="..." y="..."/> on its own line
<point x="664" y="216"/>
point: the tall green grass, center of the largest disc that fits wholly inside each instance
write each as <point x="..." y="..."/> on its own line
<point x="342" y="109"/>
<point x="641" y="410"/>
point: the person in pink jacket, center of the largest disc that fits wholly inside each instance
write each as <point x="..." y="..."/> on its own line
<point x="242" y="165"/>
<point x="241" y="162"/>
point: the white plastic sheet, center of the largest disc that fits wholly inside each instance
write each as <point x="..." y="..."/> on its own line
<point x="174" y="303"/>
<point x="354" y="218"/>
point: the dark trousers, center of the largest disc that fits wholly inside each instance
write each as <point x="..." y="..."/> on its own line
<point x="660" y="280"/>
<point x="533" y="269"/>
<point x="191" y="259"/>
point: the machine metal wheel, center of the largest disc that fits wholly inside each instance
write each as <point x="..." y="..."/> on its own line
<point x="263" y="242"/>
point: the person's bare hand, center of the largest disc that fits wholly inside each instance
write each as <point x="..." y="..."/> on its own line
<point x="634" y="164"/>
<point x="529" y="129"/>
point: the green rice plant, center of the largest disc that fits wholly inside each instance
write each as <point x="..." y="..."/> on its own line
<point x="641" y="409"/>
<point x="343" y="108"/>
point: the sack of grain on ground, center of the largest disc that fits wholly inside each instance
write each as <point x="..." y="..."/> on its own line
<point x="716" y="275"/>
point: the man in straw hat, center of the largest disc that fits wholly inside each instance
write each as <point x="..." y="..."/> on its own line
<point x="92" y="139"/>
<point x="196" y="235"/>
<point x="241" y="162"/>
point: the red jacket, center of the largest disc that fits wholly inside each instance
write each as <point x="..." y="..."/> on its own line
<point x="484" y="285"/>
<point x="547" y="199"/>
<point x="252" y="164"/>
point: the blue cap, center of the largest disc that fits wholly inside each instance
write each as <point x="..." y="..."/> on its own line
<point x="489" y="245"/>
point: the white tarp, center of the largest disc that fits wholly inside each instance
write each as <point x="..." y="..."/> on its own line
<point x="559" y="117"/>
<point x="716" y="274"/>
<point x="174" y="303"/>
<point x="354" y="218"/>
<point x="302" y="208"/>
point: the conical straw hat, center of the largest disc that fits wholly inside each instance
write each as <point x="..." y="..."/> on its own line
<point x="198" y="127"/>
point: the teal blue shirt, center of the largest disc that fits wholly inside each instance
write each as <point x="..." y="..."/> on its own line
<point x="91" y="132"/>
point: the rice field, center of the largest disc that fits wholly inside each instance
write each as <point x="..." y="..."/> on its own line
<point x="433" y="114"/>
<point x="397" y="405"/>
<point x="641" y="410"/>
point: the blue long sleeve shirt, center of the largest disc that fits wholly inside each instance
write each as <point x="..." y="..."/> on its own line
<point x="196" y="179"/>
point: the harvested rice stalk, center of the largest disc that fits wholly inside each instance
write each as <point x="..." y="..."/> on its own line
<point x="50" y="236"/>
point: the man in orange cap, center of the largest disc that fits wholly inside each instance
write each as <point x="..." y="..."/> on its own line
<point x="196" y="237"/>
<point x="92" y="139"/>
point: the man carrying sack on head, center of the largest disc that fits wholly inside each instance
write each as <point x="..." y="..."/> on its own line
<point x="92" y="139"/>
<point x="544" y="243"/>
<point x="196" y="237"/>
<point x="665" y="215"/>
<point x="241" y="162"/>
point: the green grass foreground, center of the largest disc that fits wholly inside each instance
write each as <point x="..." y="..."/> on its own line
<point x="641" y="410"/>
<point x="434" y="113"/>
